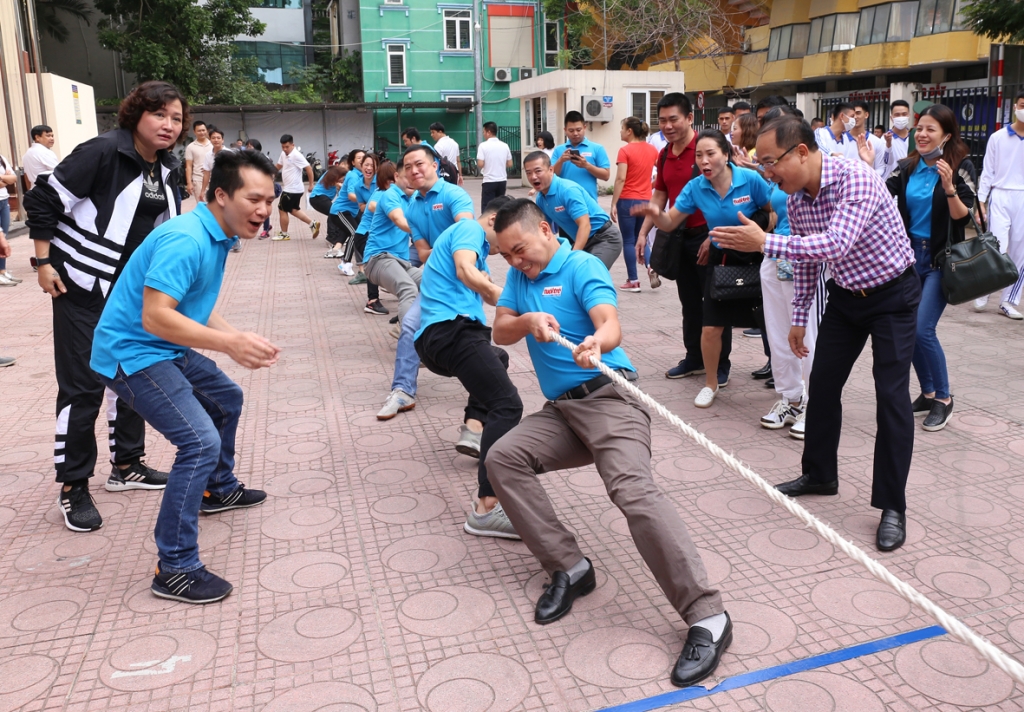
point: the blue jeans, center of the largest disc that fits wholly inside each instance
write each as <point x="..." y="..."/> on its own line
<point x="630" y="226"/>
<point x="196" y="407"/>
<point x="929" y="359"/>
<point x="407" y="361"/>
<point x="5" y="225"/>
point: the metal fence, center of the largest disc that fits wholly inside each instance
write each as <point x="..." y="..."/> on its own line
<point x="703" y="119"/>
<point x="877" y="99"/>
<point x="512" y="135"/>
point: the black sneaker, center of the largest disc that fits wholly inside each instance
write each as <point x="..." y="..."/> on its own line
<point x="199" y="586"/>
<point x="684" y="369"/>
<point x="78" y="508"/>
<point x="939" y="415"/>
<point x="137" y="475"/>
<point x="375" y="307"/>
<point x="923" y="405"/>
<point x="393" y="320"/>
<point x="239" y="499"/>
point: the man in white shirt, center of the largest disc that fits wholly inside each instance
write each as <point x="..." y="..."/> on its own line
<point x="494" y="159"/>
<point x="870" y="148"/>
<point x="447" y="148"/>
<point x="195" y="157"/>
<point x="216" y="137"/>
<point x="897" y="138"/>
<point x="39" y="158"/>
<point x="1001" y="192"/>
<point x="834" y="139"/>
<point x="291" y="163"/>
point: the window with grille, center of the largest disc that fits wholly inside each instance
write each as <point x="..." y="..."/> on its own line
<point x="457" y="30"/>
<point x="396" y="65"/>
<point x="644" y="106"/>
<point x="551" y="44"/>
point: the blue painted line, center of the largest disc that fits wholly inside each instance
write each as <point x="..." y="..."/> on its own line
<point x="752" y="678"/>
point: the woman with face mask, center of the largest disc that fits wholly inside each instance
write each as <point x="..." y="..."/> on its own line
<point x="934" y="188"/>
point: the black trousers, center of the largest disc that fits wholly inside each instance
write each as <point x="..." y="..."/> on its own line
<point x="889" y="317"/>
<point x="690" y="288"/>
<point x="80" y="393"/>
<point x="359" y="242"/>
<point x="489" y="191"/>
<point x="462" y="349"/>
<point x="322" y="204"/>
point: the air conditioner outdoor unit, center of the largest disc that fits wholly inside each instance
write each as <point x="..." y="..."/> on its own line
<point x="597" y="108"/>
<point x="458" y="104"/>
<point x="526" y="72"/>
<point x="503" y="74"/>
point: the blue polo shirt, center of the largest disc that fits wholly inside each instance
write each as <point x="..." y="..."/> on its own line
<point x="363" y="191"/>
<point x="595" y="155"/>
<point x="365" y="221"/>
<point x="573" y="283"/>
<point x="384" y="234"/>
<point x="748" y="192"/>
<point x="431" y="214"/>
<point x="341" y="203"/>
<point x="443" y="296"/>
<point x="920" y="192"/>
<point x="183" y="258"/>
<point x="781" y="207"/>
<point x="566" y="202"/>
<point x="321" y="189"/>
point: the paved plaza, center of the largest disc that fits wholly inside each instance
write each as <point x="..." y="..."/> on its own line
<point x="357" y="590"/>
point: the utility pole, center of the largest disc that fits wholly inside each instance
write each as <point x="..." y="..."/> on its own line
<point x="478" y="70"/>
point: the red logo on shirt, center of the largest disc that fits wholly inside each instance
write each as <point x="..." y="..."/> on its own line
<point x="552" y="291"/>
<point x="559" y="208"/>
<point x="437" y="206"/>
<point x="741" y="200"/>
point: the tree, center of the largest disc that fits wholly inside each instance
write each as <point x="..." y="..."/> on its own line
<point x="998" y="20"/>
<point x="48" y="15"/>
<point x="178" y="41"/>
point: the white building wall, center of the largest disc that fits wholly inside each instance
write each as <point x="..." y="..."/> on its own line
<point x="283" y="25"/>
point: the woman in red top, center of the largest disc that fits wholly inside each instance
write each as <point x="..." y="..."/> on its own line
<point x="632" y="187"/>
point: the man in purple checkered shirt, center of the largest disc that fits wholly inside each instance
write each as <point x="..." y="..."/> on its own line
<point x="841" y="213"/>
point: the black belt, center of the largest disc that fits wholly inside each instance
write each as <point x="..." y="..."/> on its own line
<point x="585" y="389"/>
<point x="885" y="285"/>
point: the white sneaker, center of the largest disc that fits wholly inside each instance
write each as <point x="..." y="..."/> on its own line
<point x="1007" y="310"/>
<point x="315" y="227"/>
<point x="11" y="277"/>
<point x="797" y="431"/>
<point x="783" y="413"/>
<point x="280" y="236"/>
<point x="347" y="269"/>
<point x="980" y="304"/>
<point x="6" y="281"/>
<point x="705" y="398"/>
<point x="398" y="402"/>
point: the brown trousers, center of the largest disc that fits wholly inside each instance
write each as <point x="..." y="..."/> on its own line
<point x="611" y="429"/>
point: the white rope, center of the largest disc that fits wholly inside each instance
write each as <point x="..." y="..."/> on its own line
<point x="952" y="625"/>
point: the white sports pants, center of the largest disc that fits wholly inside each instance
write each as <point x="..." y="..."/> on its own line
<point x="790" y="373"/>
<point x="1006" y="221"/>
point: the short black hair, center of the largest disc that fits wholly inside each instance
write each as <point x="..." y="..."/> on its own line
<point x="437" y="126"/>
<point x="676" y="100"/>
<point x="537" y="156"/>
<point x="861" y="104"/>
<point x="790" y="131"/>
<point x="720" y="140"/>
<point x="198" y="122"/>
<point x="40" y="130"/>
<point x="519" y="211"/>
<point x="256" y="145"/>
<point x="777" y="112"/>
<point x="798" y="113"/>
<point x="412" y="134"/>
<point x="574" y="117"/>
<point x="899" y="102"/>
<point x="547" y="138"/>
<point x="286" y="138"/>
<point x="742" y="106"/>
<point x="771" y="101"/>
<point x="227" y="166"/>
<point x="491" y="128"/>
<point x="840" y="108"/>
<point x="211" y="130"/>
<point x="431" y="153"/>
<point x="1020" y="95"/>
<point x="496" y="203"/>
<point x="879" y="126"/>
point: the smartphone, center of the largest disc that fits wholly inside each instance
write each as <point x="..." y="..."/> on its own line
<point x="573" y="152"/>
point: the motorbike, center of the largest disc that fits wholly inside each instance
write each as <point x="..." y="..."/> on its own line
<point x="315" y="164"/>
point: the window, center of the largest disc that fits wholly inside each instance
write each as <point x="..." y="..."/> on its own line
<point x="280" y="4"/>
<point x="892" y="22"/>
<point x="392" y="2"/>
<point x="939" y="16"/>
<point x="551" y="45"/>
<point x="644" y="106"/>
<point x="814" y="39"/>
<point x="276" y="63"/>
<point x="457" y="30"/>
<point x="788" y="42"/>
<point x="833" y="33"/>
<point x="396" y="65"/>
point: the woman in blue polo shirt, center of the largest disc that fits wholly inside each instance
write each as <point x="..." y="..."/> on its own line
<point x="321" y="198"/>
<point x="721" y="192"/>
<point x="346" y="209"/>
<point x="360" y="190"/>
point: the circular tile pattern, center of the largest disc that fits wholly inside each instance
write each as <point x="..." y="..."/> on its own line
<point x="383" y="441"/>
<point x="689" y="469"/>
<point x="617" y="657"/>
<point x="615" y="521"/>
<point x="159" y="660"/>
<point x="40" y="609"/>
<point x="972" y="462"/>
<point x="296" y="404"/>
<point x="1016" y="550"/>
<point x="864" y="527"/>
<point x="734" y="504"/>
<point x="22" y="679"/>
<point x="423" y="554"/>
<point x="790" y="547"/>
<point x="717" y="566"/>
<point x="962" y="577"/>
<point x="474" y="682"/>
<point x="859" y="601"/>
<point x="27" y="453"/>
<point x="309" y="634"/>
<point x="299" y="484"/>
<point x="7" y="516"/>
<point x="952" y="673"/>
<point x="760" y="629"/>
<point x="290" y="453"/>
<point x="607" y="589"/>
<point x="296" y="426"/>
<point x="446" y="610"/>
<point x="969" y="511"/>
<point x="728" y="431"/>
<point x="323" y="697"/>
<point x="63" y="555"/>
<point x="408" y="508"/>
<point x="663" y="440"/>
<point x="772" y="456"/>
<point x="294" y="386"/>
<point x="211" y="533"/>
<point x="395" y="472"/>
<point x="821" y="692"/>
<point x="304" y="523"/>
<point x="587" y="481"/>
<point x="18" y="482"/>
<point x="305" y="571"/>
<point x="139" y="598"/>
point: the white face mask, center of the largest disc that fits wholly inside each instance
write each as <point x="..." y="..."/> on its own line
<point x="848" y="125"/>
<point x="1020" y="114"/>
<point x="901" y="122"/>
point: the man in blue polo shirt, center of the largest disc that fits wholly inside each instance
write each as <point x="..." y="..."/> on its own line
<point x="578" y="159"/>
<point x="158" y="312"/>
<point x="588" y="419"/>
<point x="570" y="208"/>
<point x="454" y="341"/>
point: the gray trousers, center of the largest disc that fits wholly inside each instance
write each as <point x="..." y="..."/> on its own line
<point x="611" y="429"/>
<point x="396" y="275"/>
<point x="605" y="244"/>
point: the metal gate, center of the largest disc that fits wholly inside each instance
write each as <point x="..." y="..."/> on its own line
<point x="878" y="101"/>
<point x="706" y="118"/>
<point x="512" y="135"/>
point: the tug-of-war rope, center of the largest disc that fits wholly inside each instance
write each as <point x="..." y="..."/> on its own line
<point x="952" y="625"/>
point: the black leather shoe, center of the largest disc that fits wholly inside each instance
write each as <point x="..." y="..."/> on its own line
<point x="763" y="372"/>
<point x="700" y="655"/>
<point x="770" y="383"/>
<point x="557" y="600"/>
<point x="892" y="530"/>
<point x="804" y="485"/>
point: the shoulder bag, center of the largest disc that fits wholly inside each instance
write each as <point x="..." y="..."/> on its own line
<point x="729" y="282"/>
<point x="974" y="268"/>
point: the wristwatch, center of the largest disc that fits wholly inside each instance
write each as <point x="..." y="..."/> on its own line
<point x="37" y="262"/>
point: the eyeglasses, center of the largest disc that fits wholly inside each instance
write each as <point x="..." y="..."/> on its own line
<point x="771" y="164"/>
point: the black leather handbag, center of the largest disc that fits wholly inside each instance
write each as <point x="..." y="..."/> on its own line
<point x="667" y="253"/>
<point x="729" y="282"/>
<point x="974" y="268"/>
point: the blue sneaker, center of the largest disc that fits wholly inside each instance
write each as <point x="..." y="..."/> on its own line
<point x="199" y="586"/>
<point x="684" y="369"/>
<point x="723" y="376"/>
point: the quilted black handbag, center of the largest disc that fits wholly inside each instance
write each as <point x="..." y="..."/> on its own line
<point x="729" y="282"/>
<point x="974" y="268"/>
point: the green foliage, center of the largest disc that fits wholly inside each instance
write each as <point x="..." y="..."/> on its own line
<point x="999" y="20"/>
<point x="336" y="79"/>
<point x="48" y="14"/>
<point x="578" y="22"/>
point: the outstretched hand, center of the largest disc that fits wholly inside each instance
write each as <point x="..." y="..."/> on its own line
<point x="745" y="237"/>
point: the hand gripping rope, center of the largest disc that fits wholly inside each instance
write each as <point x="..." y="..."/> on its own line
<point x="952" y="625"/>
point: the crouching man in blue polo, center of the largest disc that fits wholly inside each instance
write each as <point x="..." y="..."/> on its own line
<point x="588" y="419"/>
<point x="158" y="312"/>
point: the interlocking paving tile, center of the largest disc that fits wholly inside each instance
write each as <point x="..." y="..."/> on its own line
<point x="356" y="588"/>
